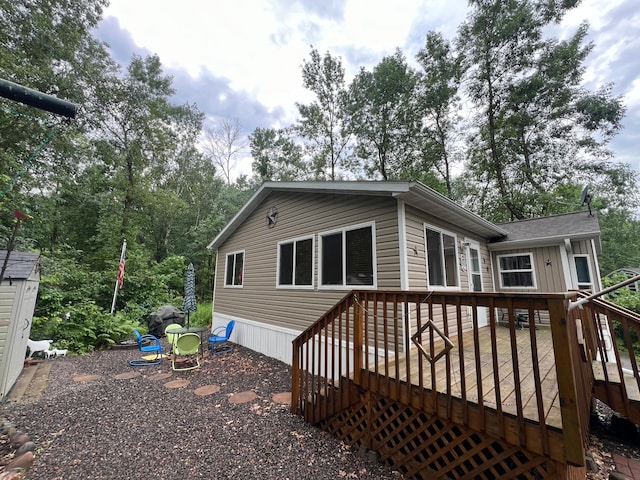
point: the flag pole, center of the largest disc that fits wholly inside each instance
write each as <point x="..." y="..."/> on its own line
<point x="120" y="276"/>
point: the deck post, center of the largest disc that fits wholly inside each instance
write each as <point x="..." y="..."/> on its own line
<point x="566" y="370"/>
<point x="295" y="379"/>
<point x="357" y="341"/>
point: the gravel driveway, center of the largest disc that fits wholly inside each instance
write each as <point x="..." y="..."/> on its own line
<point x="100" y="418"/>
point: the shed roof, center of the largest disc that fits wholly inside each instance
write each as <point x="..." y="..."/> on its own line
<point x="20" y="264"/>
<point x="628" y="270"/>
<point x="412" y="193"/>
<point x="551" y="229"/>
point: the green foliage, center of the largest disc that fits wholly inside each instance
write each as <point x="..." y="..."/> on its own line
<point x="620" y="240"/>
<point x="203" y="316"/>
<point x="624" y="297"/>
<point x="82" y="328"/>
<point x="536" y="124"/>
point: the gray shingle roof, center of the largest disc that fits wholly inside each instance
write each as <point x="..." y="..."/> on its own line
<point x="20" y="264"/>
<point x="569" y="225"/>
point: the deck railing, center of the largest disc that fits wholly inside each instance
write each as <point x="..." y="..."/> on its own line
<point x="614" y="340"/>
<point x="515" y="366"/>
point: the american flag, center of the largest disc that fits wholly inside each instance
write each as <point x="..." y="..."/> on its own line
<point x="123" y="261"/>
<point x="121" y="272"/>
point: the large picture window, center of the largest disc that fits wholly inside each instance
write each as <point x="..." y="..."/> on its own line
<point x="295" y="263"/>
<point x="442" y="264"/>
<point x="234" y="269"/>
<point x="516" y="271"/>
<point x="347" y="257"/>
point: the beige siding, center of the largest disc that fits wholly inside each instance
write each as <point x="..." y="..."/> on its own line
<point x="416" y="260"/>
<point x="7" y="303"/>
<point x="301" y="214"/>
<point x="547" y="266"/>
<point x="417" y="264"/>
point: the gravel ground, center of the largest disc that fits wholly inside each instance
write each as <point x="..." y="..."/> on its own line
<point x="113" y="428"/>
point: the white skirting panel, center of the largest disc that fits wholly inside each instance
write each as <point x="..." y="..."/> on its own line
<point x="269" y="340"/>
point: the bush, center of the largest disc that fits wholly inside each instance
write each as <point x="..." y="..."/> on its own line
<point x="82" y="328"/>
<point x="202" y="317"/>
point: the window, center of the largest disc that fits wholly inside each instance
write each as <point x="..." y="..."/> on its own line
<point x="347" y="257"/>
<point x="234" y="269"/>
<point x="516" y="270"/>
<point x="442" y="264"/>
<point x="583" y="274"/>
<point x="295" y="263"/>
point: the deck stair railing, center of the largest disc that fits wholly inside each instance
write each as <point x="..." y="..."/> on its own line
<point x="614" y="341"/>
<point x="467" y="358"/>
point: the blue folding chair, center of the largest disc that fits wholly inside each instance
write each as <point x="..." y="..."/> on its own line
<point x="149" y="345"/>
<point x="219" y="338"/>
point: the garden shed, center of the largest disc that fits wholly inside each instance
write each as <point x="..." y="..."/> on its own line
<point x="18" y="294"/>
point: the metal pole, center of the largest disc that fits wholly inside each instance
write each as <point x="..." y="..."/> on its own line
<point x="37" y="99"/>
<point x="579" y="303"/>
<point x="115" y="290"/>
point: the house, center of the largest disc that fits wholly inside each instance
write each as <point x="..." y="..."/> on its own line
<point x="18" y="293"/>
<point x="297" y="248"/>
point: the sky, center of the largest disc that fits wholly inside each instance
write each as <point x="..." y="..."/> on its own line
<point x="241" y="60"/>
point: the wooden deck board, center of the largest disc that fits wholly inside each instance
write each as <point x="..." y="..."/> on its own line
<point x="505" y="372"/>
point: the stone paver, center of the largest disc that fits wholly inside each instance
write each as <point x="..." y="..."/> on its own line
<point x="178" y="383"/>
<point x="128" y="375"/>
<point x="628" y="467"/>
<point x="284" y="397"/>
<point x="242" y="397"/>
<point x="206" y="390"/>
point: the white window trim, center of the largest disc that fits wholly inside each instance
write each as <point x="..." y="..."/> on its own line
<point x="533" y="270"/>
<point x="226" y="267"/>
<point x="426" y="257"/>
<point x="344" y="263"/>
<point x="476" y="246"/>
<point x="574" y="271"/>
<point x="313" y="264"/>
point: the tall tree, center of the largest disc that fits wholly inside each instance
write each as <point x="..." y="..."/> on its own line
<point x="382" y="118"/>
<point x="224" y="144"/>
<point x="45" y="45"/>
<point x="438" y="103"/>
<point x="276" y="156"/>
<point x="322" y="122"/>
<point x="537" y="127"/>
<point x="141" y="134"/>
<point x="620" y="240"/>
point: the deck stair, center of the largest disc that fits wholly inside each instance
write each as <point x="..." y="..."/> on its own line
<point x="616" y="372"/>
<point x="622" y="396"/>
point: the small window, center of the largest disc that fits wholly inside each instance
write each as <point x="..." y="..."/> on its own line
<point x="234" y="269"/>
<point x="295" y="263"/>
<point x="516" y="271"/>
<point x="583" y="274"/>
<point x="442" y="264"/>
<point x="347" y="257"/>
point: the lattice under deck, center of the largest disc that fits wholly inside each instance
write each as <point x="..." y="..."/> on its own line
<point x="426" y="447"/>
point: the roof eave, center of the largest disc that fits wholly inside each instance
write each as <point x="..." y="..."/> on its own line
<point x="540" y="242"/>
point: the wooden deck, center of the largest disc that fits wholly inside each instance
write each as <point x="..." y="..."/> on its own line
<point x="489" y="368"/>
<point x="505" y="396"/>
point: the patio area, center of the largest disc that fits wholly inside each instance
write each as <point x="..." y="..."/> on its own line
<point x="97" y="417"/>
